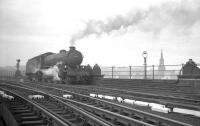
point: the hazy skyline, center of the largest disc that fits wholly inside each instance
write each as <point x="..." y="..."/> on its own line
<point x="107" y="32"/>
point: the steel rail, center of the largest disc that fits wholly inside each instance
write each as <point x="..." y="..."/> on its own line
<point x="163" y="120"/>
<point x="116" y="117"/>
<point x="57" y="120"/>
<point x="91" y="118"/>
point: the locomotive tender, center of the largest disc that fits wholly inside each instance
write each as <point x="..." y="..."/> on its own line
<point x="64" y="66"/>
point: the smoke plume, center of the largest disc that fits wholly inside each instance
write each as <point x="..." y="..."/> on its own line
<point x="180" y="16"/>
<point x="111" y="24"/>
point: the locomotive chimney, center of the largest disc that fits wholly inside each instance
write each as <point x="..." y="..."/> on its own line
<point x="72" y="48"/>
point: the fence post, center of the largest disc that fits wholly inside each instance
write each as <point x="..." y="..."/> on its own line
<point x="182" y="69"/>
<point x="130" y="71"/>
<point x="153" y="71"/>
<point x="112" y="71"/>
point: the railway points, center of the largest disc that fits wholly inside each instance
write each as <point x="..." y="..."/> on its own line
<point x="68" y="113"/>
<point x="76" y="97"/>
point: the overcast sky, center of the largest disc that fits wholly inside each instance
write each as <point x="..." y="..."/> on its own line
<point x="107" y="32"/>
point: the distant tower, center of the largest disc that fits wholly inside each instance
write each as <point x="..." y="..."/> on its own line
<point x="161" y="67"/>
<point x="18" y="72"/>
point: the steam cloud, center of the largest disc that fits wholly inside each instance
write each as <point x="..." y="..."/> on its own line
<point x="52" y="71"/>
<point x="181" y="16"/>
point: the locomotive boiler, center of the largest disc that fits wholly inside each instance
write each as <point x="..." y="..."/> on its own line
<point x="64" y="66"/>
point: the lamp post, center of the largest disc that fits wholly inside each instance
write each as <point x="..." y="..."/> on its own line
<point x="145" y="54"/>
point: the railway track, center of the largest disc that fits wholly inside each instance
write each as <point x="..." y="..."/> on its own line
<point x="121" y="110"/>
<point x="108" y="116"/>
<point x="174" y="101"/>
<point x="171" y="101"/>
<point x="149" y="86"/>
<point x="23" y="112"/>
<point x="67" y="113"/>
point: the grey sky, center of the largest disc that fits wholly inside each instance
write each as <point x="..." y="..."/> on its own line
<point x="106" y="32"/>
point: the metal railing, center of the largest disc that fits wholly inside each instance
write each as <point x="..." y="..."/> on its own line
<point x="127" y="72"/>
<point x="138" y="72"/>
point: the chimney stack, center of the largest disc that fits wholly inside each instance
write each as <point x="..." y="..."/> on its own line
<point x="72" y="48"/>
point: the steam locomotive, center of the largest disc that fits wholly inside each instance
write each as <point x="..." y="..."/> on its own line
<point x="64" y="66"/>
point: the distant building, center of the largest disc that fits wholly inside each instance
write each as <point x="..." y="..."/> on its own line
<point x="161" y="67"/>
<point x="190" y="70"/>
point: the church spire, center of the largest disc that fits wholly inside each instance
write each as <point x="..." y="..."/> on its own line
<point x="161" y="58"/>
<point x="161" y="67"/>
